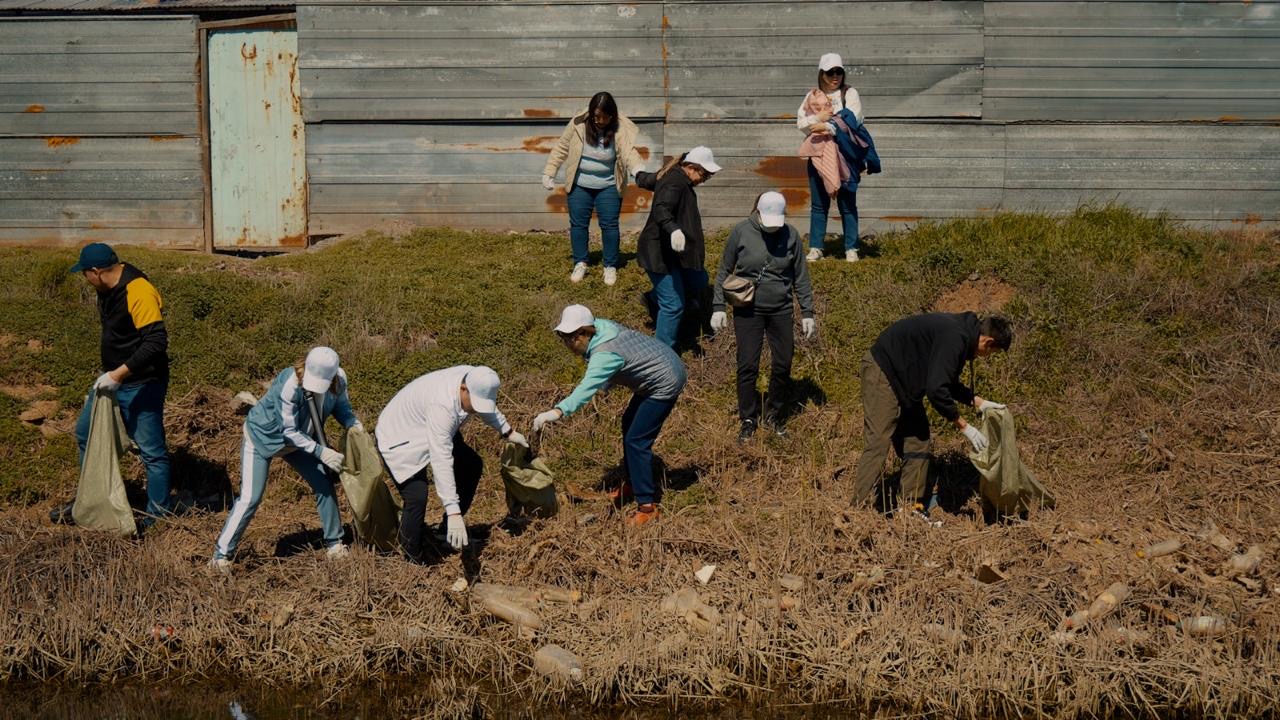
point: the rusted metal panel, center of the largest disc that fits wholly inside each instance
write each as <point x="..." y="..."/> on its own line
<point x="756" y="60"/>
<point x="445" y="174"/>
<point x="257" y="140"/>
<point x="478" y="61"/>
<point x="100" y="76"/>
<point x="1132" y="61"/>
<point x="138" y="5"/>
<point x="72" y="190"/>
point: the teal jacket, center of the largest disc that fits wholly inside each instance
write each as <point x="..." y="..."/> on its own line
<point x="282" y="418"/>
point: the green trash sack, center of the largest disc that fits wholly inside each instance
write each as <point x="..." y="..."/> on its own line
<point x="530" y="484"/>
<point x="375" y="511"/>
<point x="1007" y="484"/>
<point x="101" y="503"/>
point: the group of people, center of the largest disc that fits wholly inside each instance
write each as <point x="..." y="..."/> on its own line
<point x="762" y="275"/>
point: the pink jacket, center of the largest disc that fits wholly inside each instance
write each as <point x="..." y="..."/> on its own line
<point x="820" y="148"/>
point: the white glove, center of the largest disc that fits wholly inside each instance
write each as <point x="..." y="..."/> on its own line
<point x="719" y="320"/>
<point x="456" y="532"/>
<point x="106" y="382"/>
<point x="677" y="240"/>
<point x="332" y="459"/>
<point x="357" y="426"/>
<point x="517" y="438"/>
<point x="549" y="416"/>
<point x="548" y="182"/>
<point x="976" y="438"/>
<point x="986" y="405"/>
<point x="809" y="326"/>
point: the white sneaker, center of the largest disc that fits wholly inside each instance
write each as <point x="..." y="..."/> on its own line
<point x="610" y="275"/>
<point x="579" y="272"/>
<point x="222" y="565"/>
<point x="814" y="255"/>
<point x="338" y="552"/>
<point x="851" y="256"/>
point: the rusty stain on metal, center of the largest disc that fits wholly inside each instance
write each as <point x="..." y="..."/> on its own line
<point x="248" y="53"/>
<point x="537" y="144"/>
<point x="297" y="240"/>
<point x="54" y="141"/>
<point x="634" y="200"/>
<point x="166" y="138"/>
<point x="34" y="108"/>
<point x="266" y="105"/>
<point x="783" y="167"/>
<point x="538" y="113"/>
<point x="795" y="197"/>
<point x="1252" y="219"/>
<point x="1230" y="118"/>
<point x="643" y="152"/>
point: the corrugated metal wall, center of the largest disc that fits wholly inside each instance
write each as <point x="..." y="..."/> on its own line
<point x="99" y="135"/>
<point x="441" y="113"/>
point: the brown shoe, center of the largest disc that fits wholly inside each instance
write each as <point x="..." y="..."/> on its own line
<point x="621" y="494"/>
<point x="643" y="515"/>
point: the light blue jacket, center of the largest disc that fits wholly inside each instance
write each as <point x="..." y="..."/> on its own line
<point x="282" y="418"/>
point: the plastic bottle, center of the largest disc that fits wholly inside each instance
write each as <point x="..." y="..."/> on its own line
<point x="1108" y="600"/>
<point x="1168" y="547"/>
<point x="1203" y="626"/>
<point x="555" y="662"/>
<point x="513" y="613"/>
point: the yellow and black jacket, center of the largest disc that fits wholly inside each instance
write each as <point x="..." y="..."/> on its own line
<point x="133" y="332"/>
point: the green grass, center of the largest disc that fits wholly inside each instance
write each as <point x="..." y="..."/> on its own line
<point x="1100" y="298"/>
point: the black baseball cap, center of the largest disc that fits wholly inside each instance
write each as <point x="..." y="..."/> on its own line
<point x="94" y="256"/>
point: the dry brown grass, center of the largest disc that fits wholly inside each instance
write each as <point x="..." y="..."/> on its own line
<point x="1137" y="449"/>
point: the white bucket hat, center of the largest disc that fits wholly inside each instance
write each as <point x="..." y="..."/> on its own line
<point x="319" y="369"/>
<point x="482" y="384"/>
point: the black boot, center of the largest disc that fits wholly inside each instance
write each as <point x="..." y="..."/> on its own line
<point x="748" y="429"/>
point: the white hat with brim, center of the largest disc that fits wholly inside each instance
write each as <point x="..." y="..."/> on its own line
<point x="829" y="61"/>
<point x="574" y="318"/>
<point x="482" y="385"/>
<point x="773" y="209"/>
<point x="702" y="157"/>
<point x="319" y="369"/>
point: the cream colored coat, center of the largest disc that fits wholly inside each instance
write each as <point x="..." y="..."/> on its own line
<point x="568" y="151"/>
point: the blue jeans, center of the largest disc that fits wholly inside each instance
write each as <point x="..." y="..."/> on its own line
<point x="820" y="205"/>
<point x="253" y="482"/>
<point x="672" y="292"/>
<point x="607" y="204"/>
<point x="142" y="409"/>
<point x="641" y="424"/>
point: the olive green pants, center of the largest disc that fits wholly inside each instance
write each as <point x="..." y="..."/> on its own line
<point x="885" y="423"/>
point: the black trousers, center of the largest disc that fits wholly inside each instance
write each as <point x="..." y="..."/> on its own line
<point x="751" y="329"/>
<point x="467" y="469"/>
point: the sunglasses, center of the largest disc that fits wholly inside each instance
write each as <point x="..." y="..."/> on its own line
<point x="833" y="71"/>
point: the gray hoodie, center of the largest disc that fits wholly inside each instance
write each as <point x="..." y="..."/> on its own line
<point x="786" y="273"/>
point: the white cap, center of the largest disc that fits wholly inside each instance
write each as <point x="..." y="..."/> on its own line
<point x="773" y="209"/>
<point x="482" y="384"/>
<point x="830" y="60"/>
<point x="319" y="369"/>
<point x="575" y="317"/>
<point x="702" y="156"/>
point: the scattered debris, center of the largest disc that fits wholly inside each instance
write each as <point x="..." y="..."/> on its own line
<point x="686" y="603"/>
<point x="459" y="585"/>
<point x="1211" y="535"/>
<point x="704" y="574"/>
<point x="281" y="616"/>
<point x="242" y="402"/>
<point x="515" y="613"/>
<point x="554" y="661"/>
<point x="1203" y="626"/>
<point x="988" y="574"/>
<point x="1246" y="563"/>
<point x="940" y="633"/>
<point x="1160" y="549"/>
<point x="39" y="411"/>
<point x="794" y="583"/>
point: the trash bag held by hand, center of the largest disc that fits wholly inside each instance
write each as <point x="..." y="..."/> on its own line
<point x="375" y="512"/>
<point x="1006" y="483"/>
<point x="530" y="484"/>
<point x="101" y="503"/>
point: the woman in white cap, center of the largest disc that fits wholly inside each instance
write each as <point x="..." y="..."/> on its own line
<point x="600" y="148"/>
<point x="617" y="355"/>
<point x="288" y="422"/>
<point x="827" y="176"/>
<point x="670" y="248"/>
<point x="767" y="255"/>
<point x="420" y="428"/>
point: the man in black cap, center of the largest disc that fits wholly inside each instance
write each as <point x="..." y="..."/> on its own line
<point x="135" y="360"/>
<point x="917" y="357"/>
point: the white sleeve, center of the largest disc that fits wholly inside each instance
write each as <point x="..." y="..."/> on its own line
<point x="289" y="419"/>
<point x="440" y="429"/>
<point x="804" y="121"/>
<point x="853" y="102"/>
<point x="497" y="421"/>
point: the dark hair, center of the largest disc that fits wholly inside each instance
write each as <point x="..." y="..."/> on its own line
<point x="666" y="167"/>
<point x="755" y="203"/>
<point x="603" y="102"/>
<point x="997" y="327"/>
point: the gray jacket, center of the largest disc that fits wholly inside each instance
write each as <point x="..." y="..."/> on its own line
<point x="780" y="254"/>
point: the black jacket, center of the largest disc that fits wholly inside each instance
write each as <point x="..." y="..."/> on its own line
<point x="922" y="356"/>
<point x="780" y="255"/>
<point x="133" y="331"/>
<point x="675" y="206"/>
